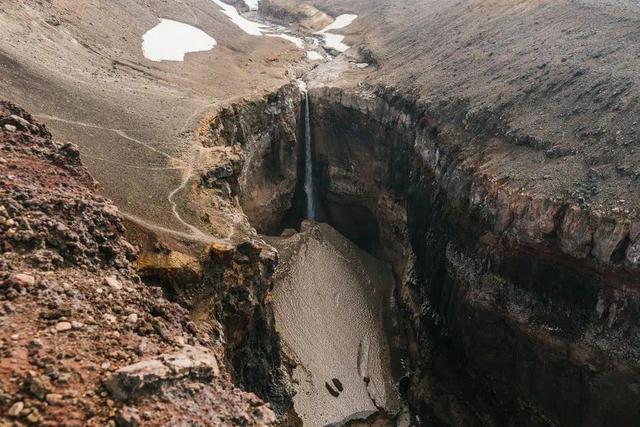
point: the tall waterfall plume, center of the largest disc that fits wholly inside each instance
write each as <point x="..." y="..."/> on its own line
<point x="310" y="212"/>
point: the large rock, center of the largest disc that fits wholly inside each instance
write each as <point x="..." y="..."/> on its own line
<point x="194" y="362"/>
<point x="21" y="280"/>
<point x="297" y="13"/>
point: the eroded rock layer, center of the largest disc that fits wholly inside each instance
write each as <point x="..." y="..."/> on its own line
<point x="250" y="161"/>
<point x="536" y="298"/>
<point x="227" y="286"/>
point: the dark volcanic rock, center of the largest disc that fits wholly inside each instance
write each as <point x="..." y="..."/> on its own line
<point x="522" y="308"/>
<point x="228" y="285"/>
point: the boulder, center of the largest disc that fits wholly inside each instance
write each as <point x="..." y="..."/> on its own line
<point x="21" y="280"/>
<point x="194" y="362"/>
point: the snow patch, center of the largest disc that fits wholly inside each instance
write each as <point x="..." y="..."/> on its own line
<point x="253" y="4"/>
<point x="314" y="56"/>
<point x="171" y="40"/>
<point x="341" y="22"/>
<point x="334" y="41"/>
<point x="249" y="27"/>
<point x="295" y="40"/>
<point x="254" y="28"/>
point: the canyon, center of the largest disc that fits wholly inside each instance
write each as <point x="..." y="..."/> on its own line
<point x="424" y="229"/>
<point x="495" y="274"/>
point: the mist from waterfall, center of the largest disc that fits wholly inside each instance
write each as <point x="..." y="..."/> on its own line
<point x="310" y="212"/>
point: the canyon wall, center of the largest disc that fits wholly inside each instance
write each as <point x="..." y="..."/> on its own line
<point x="521" y="307"/>
<point x="260" y="140"/>
<point x="247" y="174"/>
<point x="225" y="289"/>
<point x="535" y="297"/>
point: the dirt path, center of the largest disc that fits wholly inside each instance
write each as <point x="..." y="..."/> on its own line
<point x="120" y="132"/>
<point x="195" y="232"/>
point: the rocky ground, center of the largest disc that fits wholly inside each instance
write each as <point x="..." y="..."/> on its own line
<point x="83" y="340"/>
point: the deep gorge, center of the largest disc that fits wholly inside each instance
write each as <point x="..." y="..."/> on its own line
<point x="508" y="311"/>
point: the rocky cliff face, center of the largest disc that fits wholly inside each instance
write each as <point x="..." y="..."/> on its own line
<point x="536" y="297"/>
<point x="84" y="341"/>
<point x="259" y="166"/>
<point x="225" y="289"/>
<point x="247" y="174"/>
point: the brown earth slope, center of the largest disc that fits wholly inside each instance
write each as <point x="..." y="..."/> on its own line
<point x="83" y="341"/>
<point x="80" y="69"/>
<point x="558" y="76"/>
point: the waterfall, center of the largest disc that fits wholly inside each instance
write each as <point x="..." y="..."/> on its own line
<point x="308" y="165"/>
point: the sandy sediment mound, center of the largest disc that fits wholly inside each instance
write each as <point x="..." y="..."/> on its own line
<point x="329" y="302"/>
